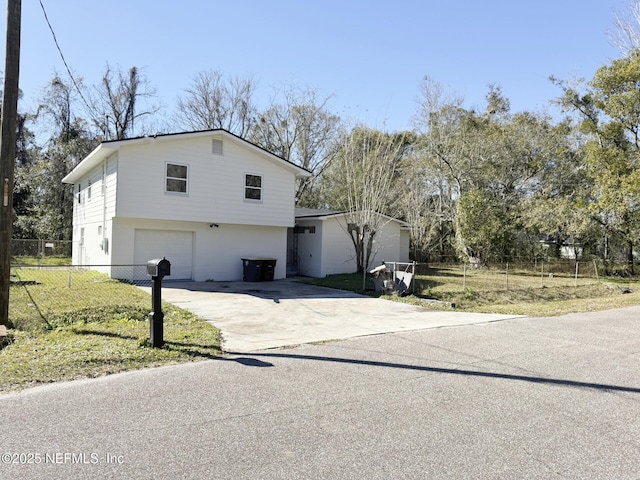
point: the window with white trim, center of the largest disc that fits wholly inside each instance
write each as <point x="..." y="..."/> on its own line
<point x="177" y="178"/>
<point x="252" y="187"/>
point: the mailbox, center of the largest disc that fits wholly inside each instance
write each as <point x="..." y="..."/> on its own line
<point x="159" y="267"/>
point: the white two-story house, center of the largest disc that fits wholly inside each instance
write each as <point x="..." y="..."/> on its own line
<point x="204" y="200"/>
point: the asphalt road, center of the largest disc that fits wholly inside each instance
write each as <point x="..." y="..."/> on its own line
<point x="547" y="398"/>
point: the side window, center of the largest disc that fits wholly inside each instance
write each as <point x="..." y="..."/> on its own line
<point x="176" y="178"/>
<point x="252" y="187"/>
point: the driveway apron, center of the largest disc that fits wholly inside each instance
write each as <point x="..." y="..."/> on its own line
<point x="262" y="315"/>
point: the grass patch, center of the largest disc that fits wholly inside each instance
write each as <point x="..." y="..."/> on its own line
<point x="91" y="327"/>
<point x="46" y="261"/>
<point x="518" y="293"/>
<point x="347" y="281"/>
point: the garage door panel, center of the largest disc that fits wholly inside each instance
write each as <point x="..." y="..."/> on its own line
<point x="176" y="246"/>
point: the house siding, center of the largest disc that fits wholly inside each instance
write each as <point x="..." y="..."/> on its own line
<point x="330" y="250"/>
<point x="217" y="251"/>
<point x="93" y="207"/>
<point x="405" y="241"/>
<point x="338" y="254"/>
<point x="130" y="218"/>
<point x="222" y="249"/>
<point x="215" y="184"/>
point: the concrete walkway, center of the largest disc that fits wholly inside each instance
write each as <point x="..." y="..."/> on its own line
<point x="263" y="315"/>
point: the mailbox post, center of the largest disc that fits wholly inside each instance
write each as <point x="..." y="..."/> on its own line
<point x="158" y="268"/>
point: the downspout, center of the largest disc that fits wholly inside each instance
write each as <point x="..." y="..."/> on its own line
<point x="105" y="244"/>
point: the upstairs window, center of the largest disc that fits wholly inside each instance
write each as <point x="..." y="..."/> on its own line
<point x="176" y="181"/>
<point x="252" y="187"/>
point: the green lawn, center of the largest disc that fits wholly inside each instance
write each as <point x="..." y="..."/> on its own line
<point x="84" y="324"/>
<point x="493" y="291"/>
<point x="31" y="260"/>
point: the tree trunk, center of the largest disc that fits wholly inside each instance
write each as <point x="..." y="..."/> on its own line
<point x="605" y="257"/>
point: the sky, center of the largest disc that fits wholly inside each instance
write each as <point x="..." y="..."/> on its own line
<point x="369" y="56"/>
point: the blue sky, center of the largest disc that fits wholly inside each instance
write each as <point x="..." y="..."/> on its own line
<point x="369" y="55"/>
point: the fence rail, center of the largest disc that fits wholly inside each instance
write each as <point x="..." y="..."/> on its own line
<point x="39" y="294"/>
<point x="41" y="248"/>
<point x="507" y="276"/>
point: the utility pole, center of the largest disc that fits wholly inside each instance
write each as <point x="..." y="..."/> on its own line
<point x="8" y="149"/>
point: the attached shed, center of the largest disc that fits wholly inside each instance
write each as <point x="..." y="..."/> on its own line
<point x="319" y="244"/>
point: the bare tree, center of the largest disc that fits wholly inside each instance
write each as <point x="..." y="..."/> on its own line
<point x="426" y="207"/>
<point x="115" y="103"/>
<point x="57" y="104"/>
<point x="626" y="32"/>
<point x="301" y="129"/>
<point x="436" y="174"/>
<point x="361" y="182"/>
<point x="213" y="101"/>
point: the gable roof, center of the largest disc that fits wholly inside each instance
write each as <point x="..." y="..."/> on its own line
<point x="108" y="147"/>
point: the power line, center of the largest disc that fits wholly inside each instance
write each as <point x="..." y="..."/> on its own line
<point x="55" y="40"/>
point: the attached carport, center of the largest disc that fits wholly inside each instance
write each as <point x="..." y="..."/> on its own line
<point x="262" y="315"/>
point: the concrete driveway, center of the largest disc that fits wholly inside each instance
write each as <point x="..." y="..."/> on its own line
<point x="261" y="315"/>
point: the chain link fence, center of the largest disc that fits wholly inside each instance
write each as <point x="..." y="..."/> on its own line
<point x="41" y="296"/>
<point x="40" y="249"/>
<point x="507" y="276"/>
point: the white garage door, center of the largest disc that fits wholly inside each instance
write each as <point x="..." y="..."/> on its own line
<point x="175" y="246"/>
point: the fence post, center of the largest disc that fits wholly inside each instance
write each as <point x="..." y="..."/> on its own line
<point x="595" y="267"/>
<point x="542" y="275"/>
<point x="575" y="282"/>
<point x="507" y="276"/>
<point x="464" y="277"/>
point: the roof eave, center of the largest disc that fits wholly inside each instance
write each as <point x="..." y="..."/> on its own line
<point x="89" y="162"/>
<point x="325" y="216"/>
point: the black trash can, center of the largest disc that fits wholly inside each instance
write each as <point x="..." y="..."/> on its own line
<point x="251" y="269"/>
<point x="258" y="269"/>
<point x="268" y="269"/>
